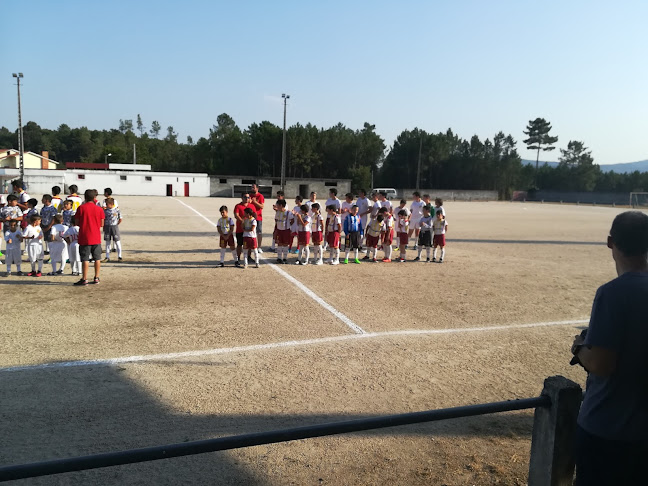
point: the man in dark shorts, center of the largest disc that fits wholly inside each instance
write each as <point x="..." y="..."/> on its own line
<point x="90" y="218"/>
<point x="612" y="433"/>
<point x="239" y="215"/>
<point x="257" y="200"/>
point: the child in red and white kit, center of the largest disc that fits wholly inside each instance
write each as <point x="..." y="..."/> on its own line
<point x="293" y="224"/>
<point x="333" y="228"/>
<point x="250" y="237"/>
<point x="402" y="227"/>
<point x="388" y="233"/>
<point x="283" y="236"/>
<point x="317" y="232"/>
<point x="374" y="231"/>
<point x="439" y="227"/>
<point x="303" y="234"/>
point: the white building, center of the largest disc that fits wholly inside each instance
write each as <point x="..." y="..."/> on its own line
<point x="122" y="182"/>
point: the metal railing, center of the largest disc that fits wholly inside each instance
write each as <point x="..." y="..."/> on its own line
<point x="551" y="400"/>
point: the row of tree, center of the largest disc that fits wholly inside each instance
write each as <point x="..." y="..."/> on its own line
<point x="439" y="160"/>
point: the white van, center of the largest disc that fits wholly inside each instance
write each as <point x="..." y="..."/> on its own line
<point x="390" y="191"/>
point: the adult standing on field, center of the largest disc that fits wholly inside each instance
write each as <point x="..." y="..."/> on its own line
<point x="612" y="431"/>
<point x="89" y="218"/>
<point x="20" y="193"/>
<point x="258" y="201"/>
<point x="239" y="215"/>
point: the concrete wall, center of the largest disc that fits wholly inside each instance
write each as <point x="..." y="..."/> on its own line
<point x="451" y="194"/>
<point x="39" y="181"/>
<point x="610" y="198"/>
<point x="229" y="186"/>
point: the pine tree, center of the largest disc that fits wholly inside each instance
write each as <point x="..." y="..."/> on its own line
<point x="539" y="138"/>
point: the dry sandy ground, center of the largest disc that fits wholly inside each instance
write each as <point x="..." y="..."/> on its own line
<point x="507" y="264"/>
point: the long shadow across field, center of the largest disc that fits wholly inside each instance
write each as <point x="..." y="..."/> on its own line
<point x="58" y="413"/>
<point x="525" y="242"/>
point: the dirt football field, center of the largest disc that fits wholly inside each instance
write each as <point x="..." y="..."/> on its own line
<point x="168" y="348"/>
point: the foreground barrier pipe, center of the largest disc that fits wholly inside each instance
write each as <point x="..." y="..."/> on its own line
<point x="59" y="466"/>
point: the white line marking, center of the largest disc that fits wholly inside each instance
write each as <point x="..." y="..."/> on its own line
<point x="353" y="326"/>
<point x="203" y="217"/>
<point x="284" y="344"/>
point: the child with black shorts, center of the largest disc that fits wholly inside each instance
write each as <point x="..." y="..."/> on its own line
<point x="425" y="234"/>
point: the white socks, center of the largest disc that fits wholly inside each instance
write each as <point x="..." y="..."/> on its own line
<point x="434" y="253"/>
<point x="119" y="249"/>
<point x="420" y="250"/>
<point x="355" y="252"/>
<point x="337" y="254"/>
<point x="427" y="251"/>
<point x="307" y="252"/>
<point x="388" y="252"/>
<point x="442" y="253"/>
<point x="222" y="255"/>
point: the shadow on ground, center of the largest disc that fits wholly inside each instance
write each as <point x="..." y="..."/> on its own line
<point x="53" y="414"/>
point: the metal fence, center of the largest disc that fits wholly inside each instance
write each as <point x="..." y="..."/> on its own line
<point x="551" y="461"/>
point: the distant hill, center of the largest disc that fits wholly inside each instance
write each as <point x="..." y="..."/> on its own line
<point x="641" y="166"/>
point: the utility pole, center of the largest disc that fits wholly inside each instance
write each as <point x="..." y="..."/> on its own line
<point x="418" y="169"/>
<point x="21" y="142"/>
<point x="134" y="154"/>
<point x="283" y="148"/>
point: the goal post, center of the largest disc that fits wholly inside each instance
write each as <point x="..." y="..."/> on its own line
<point x="639" y="199"/>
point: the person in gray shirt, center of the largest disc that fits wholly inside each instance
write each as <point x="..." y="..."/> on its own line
<point x="612" y="431"/>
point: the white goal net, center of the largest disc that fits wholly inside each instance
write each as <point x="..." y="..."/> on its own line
<point x="639" y="199"/>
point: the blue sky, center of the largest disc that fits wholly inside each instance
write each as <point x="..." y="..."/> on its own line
<point x="475" y="66"/>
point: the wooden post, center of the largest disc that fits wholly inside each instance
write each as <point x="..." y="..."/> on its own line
<point x="554" y="430"/>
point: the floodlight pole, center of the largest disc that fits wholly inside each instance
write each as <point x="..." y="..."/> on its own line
<point x="418" y="169"/>
<point x="283" y="146"/>
<point x="21" y="142"/>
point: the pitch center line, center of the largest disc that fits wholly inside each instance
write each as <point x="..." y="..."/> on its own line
<point x="284" y="344"/>
<point x="352" y="325"/>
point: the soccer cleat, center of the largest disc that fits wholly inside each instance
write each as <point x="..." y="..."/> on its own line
<point x="373" y="260"/>
<point x="59" y="272"/>
<point x="38" y="274"/>
<point x="19" y="273"/>
<point x="441" y="260"/>
<point x="114" y="250"/>
<point x="221" y="265"/>
<point x="305" y="263"/>
<point x="335" y="262"/>
<point x="402" y="260"/>
<point x="245" y="265"/>
<point x="417" y="259"/>
<point x="298" y="262"/>
<point x="31" y="274"/>
<point x="434" y="260"/>
<point x="386" y="260"/>
<point x="427" y="260"/>
<point x="260" y="250"/>
<point x="256" y="265"/>
<point x="105" y="260"/>
<point x="356" y="261"/>
<point x="285" y="262"/>
<point x="81" y="282"/>
<point x="346" y="261"/>
<point x="279" y="260"/>
<point x="366" y="257"/>
<point x="7" y="274"/>
<point x="96" y="280"/>
<point x="319" y="262"/>
<point x="237" y="263"/>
